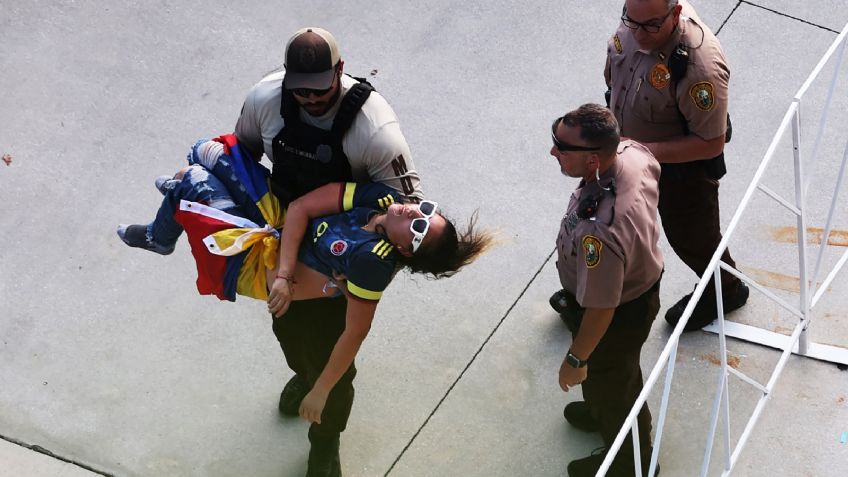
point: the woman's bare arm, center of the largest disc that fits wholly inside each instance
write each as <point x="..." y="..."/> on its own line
<point x="321" y="201"/>
<point x="358" y="320"/>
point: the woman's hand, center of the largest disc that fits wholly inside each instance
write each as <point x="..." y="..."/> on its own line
<point x="313" y="405"/>
<point x="280" y="295"/>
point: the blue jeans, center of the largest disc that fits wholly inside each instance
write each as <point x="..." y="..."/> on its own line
<point x="212" y="182"/>
<point x="197" y="185"/>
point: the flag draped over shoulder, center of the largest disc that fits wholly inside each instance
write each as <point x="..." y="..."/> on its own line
<point x="233" y="253"/>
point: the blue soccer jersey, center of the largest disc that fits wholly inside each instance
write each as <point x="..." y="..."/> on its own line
<point x="337" y="243"/>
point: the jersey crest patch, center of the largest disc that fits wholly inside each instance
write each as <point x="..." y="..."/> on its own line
<point x="703" y="96"/>
<point x="617" y="42"/>
<point x="660" y="76"/>
<point x="338" y="247"/>
<point x="592" y="246"/>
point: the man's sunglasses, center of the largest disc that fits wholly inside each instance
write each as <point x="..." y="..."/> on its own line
<point x="420" y="225"/>
<point x="564" y="146"/>
<point x="650" y="27"/>
<point x="305" y="92"/>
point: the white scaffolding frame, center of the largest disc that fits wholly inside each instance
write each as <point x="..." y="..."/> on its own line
<point x="797" y="342"/>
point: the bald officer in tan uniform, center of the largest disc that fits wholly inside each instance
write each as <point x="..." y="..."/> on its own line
<point x="668" y="85"/>
<point x="610" y="267"/>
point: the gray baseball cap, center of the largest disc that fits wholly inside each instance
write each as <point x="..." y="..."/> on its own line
<point x="311" y="58"/>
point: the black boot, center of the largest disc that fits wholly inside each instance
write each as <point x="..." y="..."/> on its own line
<point x="293" y="393"/>
<point x="705" y="311"/>
<point x="323" y="455"/>
<point x="579" y="415"/>
<point x="589" y="466"/>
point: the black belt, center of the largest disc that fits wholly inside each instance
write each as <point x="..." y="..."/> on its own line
<point x="574" y="311"/>
<point x="715" y="168"/>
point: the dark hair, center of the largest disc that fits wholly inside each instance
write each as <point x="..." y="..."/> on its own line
<point x="450" y="251"/>
<point x="597" y="126"/>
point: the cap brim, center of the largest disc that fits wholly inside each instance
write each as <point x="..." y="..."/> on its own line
<point x="321" y="80"/>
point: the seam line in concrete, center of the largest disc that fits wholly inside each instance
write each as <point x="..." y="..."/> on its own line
<point x="788" y="16"/>
<point x="728" y="17"/>
<point x="42" y="450"/>
<point x="470" y="362"/>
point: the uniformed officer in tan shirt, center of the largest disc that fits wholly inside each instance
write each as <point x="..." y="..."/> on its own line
<point x="668" y="83"/>
<point x="609" y="265"/>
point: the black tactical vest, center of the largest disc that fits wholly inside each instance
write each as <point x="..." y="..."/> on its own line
<point x="307" y="157"/>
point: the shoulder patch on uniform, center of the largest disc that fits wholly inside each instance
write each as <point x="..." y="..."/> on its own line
<point x="660" y="76"/>
<point x="382" y="248"/>
<point x="617" y="42"/>
<point x="592" y="247"/>
<point x="338" y="247"/>
<point x="702" y="95"/>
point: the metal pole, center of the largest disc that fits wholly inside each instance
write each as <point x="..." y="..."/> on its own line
<point x="708" y="450"/>
<point x="825" y="112"/>
<point x="800" y="201"/>
<point x="722" y="339"/>
<point x="822" y="122"/>
<point x="721" y="397"/>
<point x="669" y="376"/>
<point x="755" y="416"/>
<point x="829" y="226"/>
<point x="637" y="454"/>
<point x="823" y="61"/>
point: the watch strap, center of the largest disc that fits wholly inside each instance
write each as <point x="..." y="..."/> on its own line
<point x="574" y="361"/>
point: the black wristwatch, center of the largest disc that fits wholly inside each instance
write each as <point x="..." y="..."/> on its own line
<point x="574" y="361"/>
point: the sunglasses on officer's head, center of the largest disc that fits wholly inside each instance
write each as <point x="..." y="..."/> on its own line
<point x="420" y="225"/>
<point x="564" y="146"/>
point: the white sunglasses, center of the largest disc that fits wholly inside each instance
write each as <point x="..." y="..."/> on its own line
<point x="420" y="225"/>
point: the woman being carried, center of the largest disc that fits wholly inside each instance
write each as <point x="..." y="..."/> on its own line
<point x="360" y="234"/>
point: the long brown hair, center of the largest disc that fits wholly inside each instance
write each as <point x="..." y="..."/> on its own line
<point x="451" y="251"/>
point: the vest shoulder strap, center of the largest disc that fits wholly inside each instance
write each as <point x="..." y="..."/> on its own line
<point x="289" y="107"/>
<point x="351" y="104"/>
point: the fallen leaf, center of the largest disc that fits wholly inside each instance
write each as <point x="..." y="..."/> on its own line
<point x="7" y="159"/>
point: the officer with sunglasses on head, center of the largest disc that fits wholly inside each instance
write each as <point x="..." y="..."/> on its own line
<point x="668" y="88"/>
<point x="318" y="125"/>
<point x="609" y="266"/>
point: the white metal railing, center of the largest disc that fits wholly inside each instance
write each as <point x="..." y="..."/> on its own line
<point x="797" y="342"/>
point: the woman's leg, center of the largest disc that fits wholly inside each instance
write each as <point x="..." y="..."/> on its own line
<point x="196" y="185"/>
<point x="210" y="155"/>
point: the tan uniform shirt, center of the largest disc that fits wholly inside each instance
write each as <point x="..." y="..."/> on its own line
<point x="644" y="99"/>
<point x="374" y="145"/>
<point x="613" y="258"/>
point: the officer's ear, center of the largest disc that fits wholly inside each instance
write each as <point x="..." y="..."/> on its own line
<point x="341" y="67"/>
<point x="676" y="15"/>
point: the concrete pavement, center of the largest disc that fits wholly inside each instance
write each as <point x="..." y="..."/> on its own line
<point x="109" y="358"/>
